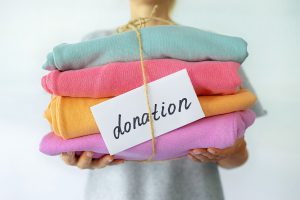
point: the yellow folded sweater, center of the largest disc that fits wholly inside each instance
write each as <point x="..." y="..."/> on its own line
<point x="71" y="117"/>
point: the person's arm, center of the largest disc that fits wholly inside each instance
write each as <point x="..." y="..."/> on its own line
<point x="86" y="161"/>
<point x="230" y="157"/>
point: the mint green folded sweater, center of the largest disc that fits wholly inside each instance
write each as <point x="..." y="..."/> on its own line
<point x="178" y="42"/>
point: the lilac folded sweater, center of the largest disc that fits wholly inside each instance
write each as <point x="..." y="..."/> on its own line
<point x="218" y="131"/>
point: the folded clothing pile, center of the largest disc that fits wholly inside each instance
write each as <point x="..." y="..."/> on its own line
<point x="90" y="72"/>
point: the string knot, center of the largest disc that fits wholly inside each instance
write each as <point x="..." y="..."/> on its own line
<point x="138" y="23"/>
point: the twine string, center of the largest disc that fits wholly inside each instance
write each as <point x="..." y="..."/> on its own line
<point x="136" y="25"/>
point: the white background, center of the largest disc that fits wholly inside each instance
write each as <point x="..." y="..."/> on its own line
<point x="29" y="29"/>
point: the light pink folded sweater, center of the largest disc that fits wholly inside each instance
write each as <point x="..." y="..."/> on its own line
<point x="218" y="131"/>
<point x="113" y="79"/>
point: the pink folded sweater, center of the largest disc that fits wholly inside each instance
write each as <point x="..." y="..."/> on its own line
<point x="113" y="79"/>
<point x="219" y="131"/>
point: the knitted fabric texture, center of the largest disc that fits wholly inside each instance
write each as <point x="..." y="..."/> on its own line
<point x="219" y="131"/>
<point x="113" y="79"/>
<point x="71" y="117"/>
<point x="197" y="45"/>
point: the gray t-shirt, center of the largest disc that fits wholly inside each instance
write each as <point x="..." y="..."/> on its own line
<point x="180" y="179"/>
<point x="168" y="180"/>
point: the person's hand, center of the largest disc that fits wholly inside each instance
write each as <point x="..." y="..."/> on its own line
<point x="86" y="161"/>
<point x="229" y="157"/>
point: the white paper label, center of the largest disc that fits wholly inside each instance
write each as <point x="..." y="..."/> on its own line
<point x="123" y="120"/>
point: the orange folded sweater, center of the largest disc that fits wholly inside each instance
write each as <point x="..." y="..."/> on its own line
<point x="71" y="117"/>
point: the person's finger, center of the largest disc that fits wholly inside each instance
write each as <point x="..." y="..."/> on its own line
<point x="85" y="160"/>
<point x="193" y="158"/>
<point x="208" y="156"/>
<point x="69" y="158"/>
<point x="197" y="151"/>
<point x="102" y="162"/>
<point x="205" y="158"/>
<point x="200" y="151"/>
<point x="221" y="152"/>
<point x="204" y="153"/>
<point x="199" y="158"/>
<point x="117" y="162"/>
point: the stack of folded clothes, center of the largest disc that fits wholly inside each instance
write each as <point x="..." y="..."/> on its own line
<point x="90" y="72"/>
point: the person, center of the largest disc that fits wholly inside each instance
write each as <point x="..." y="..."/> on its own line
<point x="175" y="179"/>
